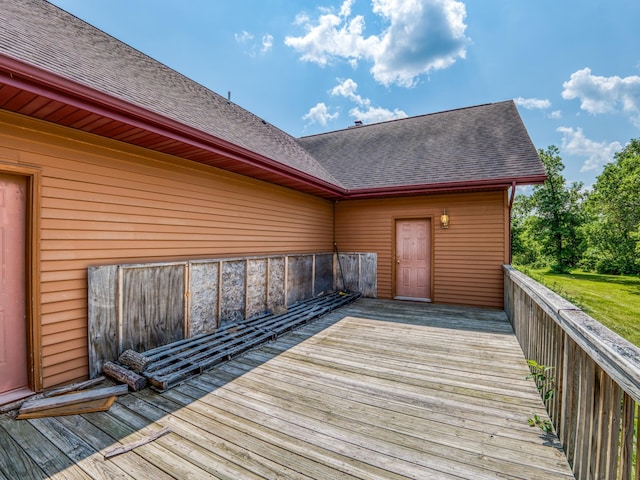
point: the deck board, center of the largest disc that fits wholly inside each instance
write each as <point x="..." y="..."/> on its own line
<point x="374" y="390"/>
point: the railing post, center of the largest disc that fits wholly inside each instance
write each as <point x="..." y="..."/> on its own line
<point x="597" y="378"/>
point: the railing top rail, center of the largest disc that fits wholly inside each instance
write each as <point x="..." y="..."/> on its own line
<point x="618" y="357"/>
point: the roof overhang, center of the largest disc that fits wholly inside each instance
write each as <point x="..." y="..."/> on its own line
<point x="444" y="187"/>
<point x="37" y="93"/>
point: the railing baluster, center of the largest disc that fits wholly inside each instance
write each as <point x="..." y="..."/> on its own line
<point x="597" y="379"/>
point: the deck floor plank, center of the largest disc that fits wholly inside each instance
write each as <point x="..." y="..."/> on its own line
<point x="79" y="451"/>
<point x="14" y="461"/>
<point x="373" y="390"/>
<point x="104" y="432"/>
<point x="322" y="405"/>
<point x="192" y="413"/>
<point x="54" y="463"/>
<point x="184" y="452"/>
<point x="300" y="440"/>
<point x="209" y="435"/>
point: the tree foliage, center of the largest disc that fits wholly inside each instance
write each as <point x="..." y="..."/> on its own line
<point x="613" y="209"/>
<point x="525" y="246"/>
<point x="561" y="226"/>
<point x="558" y="214"/>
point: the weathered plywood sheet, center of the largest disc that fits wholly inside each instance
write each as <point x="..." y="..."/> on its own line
<point x="348" y="272"/>
<point x="203" y="290"/>
<point x="103" y="317"/>
<point x="368" y="282"/>
<point x="149" y="309"/>
<point x="276" y="286"/>
<point x="299" y="278"/>
<point x="323" y="274"/>
<point x="152" y="306"/>
<point x="232" y="301"/>
<point x="256" y="300"/>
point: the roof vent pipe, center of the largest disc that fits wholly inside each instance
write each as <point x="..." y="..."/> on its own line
<point x="358" y="123"/>
<point x="229" y="97"/>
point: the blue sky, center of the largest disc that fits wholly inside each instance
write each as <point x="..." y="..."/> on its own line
<point x="573" y="67"/>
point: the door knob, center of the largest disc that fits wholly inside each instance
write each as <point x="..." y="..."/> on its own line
<point x="397" y="260"/>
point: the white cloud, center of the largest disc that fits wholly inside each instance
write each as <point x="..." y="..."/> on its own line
<point x="575" y="143"/>
<point x="370" y="114"/>
<point x="243" y="37"/>
<point x="345" y="9"/>
<point x="319" y="114"/>
<point x="556" y="115"/>
<point x="605" y="94"/>
<point x="532" y="103"/>
<point x="421" y="36"/>
<point x="253" y="46"/>
<point x="376" y="114"/>
<point x="348" y="89"/>
<point x="267" y="43"/>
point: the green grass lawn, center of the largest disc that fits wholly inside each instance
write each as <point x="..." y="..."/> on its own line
<point x="613" y="300"/>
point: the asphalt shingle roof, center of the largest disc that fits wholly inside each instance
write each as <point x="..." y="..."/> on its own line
<point x="485" y="142"/>
<point x="41" y="34"/>
<point x="482" y="143"/>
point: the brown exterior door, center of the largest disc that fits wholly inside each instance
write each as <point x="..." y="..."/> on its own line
<point x="413" y="259"/>
<point x="13" y="324"/>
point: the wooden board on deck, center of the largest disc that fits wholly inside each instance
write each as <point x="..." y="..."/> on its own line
<point x="90" y="406"/>
<point x="376" y="390"/>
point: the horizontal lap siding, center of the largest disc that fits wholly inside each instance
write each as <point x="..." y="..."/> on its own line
<point x="107" y="203"/>
<point x="467" y="257"/>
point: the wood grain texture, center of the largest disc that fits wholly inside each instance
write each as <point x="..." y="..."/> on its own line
<point x="72" y="398"/>
<point x="124" y="375"/>
<point x="376" y="390"/>
<point x="153" y="306"/>
<point x="102" y="310"/>
<point x="593" y="408"/>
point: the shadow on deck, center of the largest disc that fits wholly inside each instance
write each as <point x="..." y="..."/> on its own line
<point x="377" y="389"/>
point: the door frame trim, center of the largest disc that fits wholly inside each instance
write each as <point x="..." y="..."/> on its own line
<point x="32" y="268"/>
<point x="394" y="280"/>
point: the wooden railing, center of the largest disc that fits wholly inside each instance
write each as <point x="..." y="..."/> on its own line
<point x="597" y="378"/>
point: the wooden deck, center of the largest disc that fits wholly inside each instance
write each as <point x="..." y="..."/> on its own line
<point x="374" y="390"/>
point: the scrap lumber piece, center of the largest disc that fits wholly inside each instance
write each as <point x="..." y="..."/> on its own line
<point x="175" y="363"/>
<point x="52" y="393"/>
<point x="120" y="449"/>
<point x="73" y="398"/>
<point x="134" y="360"/>
<point x="190" y="346"/>
<point x="90" y="406"/>
<point x="191" y="356"/>
<point x="118" y="372"/>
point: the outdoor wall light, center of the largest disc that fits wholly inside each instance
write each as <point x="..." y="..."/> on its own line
<point x="444" y="219"/>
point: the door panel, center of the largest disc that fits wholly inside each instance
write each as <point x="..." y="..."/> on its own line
<point x="413" y="259"/>
<point x="13" y="325"/>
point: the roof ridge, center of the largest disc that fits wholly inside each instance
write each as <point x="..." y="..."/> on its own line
<point x="364" y="125"/>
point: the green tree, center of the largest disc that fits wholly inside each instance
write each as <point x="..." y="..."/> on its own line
<point x="558" y="214"/>
<point x="525" y="247"/>
<point x="613" y="207"/>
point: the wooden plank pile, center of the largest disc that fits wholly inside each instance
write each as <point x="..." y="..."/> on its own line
<point x="72" y="403"/>
<point x="166" y="366"/>
<point x="68" y="400"/>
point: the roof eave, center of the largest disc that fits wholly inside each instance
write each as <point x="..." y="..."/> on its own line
<point x="50" y="85"/>
<point x="443" y="187"/>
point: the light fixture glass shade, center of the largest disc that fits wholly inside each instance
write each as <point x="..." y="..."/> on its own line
<point x="444" y="219"/>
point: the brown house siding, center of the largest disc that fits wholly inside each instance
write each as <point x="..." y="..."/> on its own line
<point x="467" y="257"/>
<point x="103" y="202"/>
